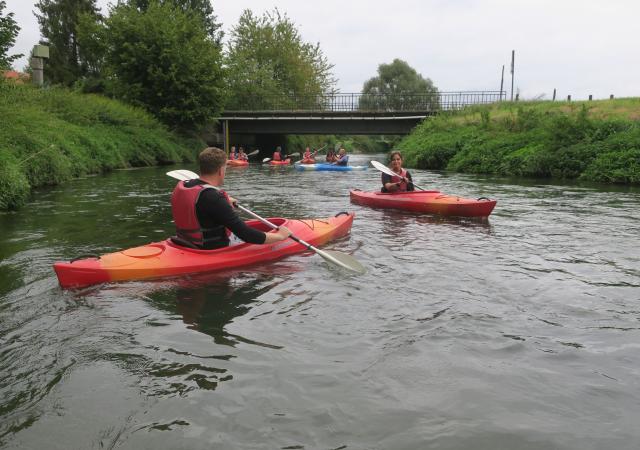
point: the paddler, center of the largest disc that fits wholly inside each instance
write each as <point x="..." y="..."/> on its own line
<point x="205" y="217"/>
<point x="342" y="159"/>
<point x="242" y="156"/>
<point x="308" y="156"/>
<point x="278" y="155"/>
<point x="401" y="182"/>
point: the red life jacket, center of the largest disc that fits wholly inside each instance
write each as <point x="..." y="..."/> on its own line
<point x="307" y="155"/>
<point x="276" y="156"/>
<point x="183" y="207"/>
<point x="398" y="179"/>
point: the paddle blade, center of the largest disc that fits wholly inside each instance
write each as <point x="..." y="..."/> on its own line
<point x="342" y="259"/>
<point x="255" y="152"/>
<point x="183" y="174"/>
<point x="266" y="160"/>
<point x="382" y="168"/>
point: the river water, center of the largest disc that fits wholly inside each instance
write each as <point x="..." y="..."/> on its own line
<point x="520" y="332"/>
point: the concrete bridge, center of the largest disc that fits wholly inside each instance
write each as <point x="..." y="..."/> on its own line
<point x="264" y="121"/>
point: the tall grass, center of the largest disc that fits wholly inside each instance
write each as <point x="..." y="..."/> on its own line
<point x="597" y="141"/>
<point x="48" y="136"/>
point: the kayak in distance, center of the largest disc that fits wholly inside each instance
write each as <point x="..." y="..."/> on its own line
<point x="431" y="202"/>
<point x="237" y="163"/>
<point x="166" y="258"/>
<point x="286" y="162"/>
<point x="307" y="161"/>
<point x="328" y="167"/>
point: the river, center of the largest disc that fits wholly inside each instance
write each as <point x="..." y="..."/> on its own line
<point x="518" y="332"/>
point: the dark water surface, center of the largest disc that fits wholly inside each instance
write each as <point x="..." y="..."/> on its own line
<point x="522" y="332"/>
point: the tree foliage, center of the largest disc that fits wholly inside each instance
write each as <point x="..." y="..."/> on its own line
<point x="8" y="32"/>
<point x="163" y="60"/>
<point x="58" y="20"/>
<point x="201" y="9"/>
<point x="398" y="86"/>
<point x="268" y="60"/>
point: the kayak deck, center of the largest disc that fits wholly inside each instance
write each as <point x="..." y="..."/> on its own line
<point x="430" y="202"/>
<point x="165" y="258"/>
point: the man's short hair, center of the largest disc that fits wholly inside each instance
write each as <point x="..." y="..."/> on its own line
<point x="211" y="159"/>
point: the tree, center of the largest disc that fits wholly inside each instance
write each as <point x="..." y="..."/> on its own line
<point x="200" y="8"/>
<point x="58" y="21"/>
<point x="163" y="60"/>
<point x="8" y="32"/>
<point x="399" y="87"/>
<point x="269" y="64"/>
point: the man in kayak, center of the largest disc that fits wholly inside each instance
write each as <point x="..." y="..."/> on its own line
<point x="204" y="216"/>
<point x="399" y="183"/>
<point x="342" y="159"/>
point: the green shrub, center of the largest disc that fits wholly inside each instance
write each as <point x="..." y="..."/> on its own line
<point x="594" y="141"/>
<point x="51" y="135"/>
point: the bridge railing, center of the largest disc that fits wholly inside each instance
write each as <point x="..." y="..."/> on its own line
<point x="358" y="102"/>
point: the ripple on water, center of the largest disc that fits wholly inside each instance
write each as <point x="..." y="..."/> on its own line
<point x="520" y="331"/>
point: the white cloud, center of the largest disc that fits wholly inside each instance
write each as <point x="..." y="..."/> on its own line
<point x="579" y="47"/>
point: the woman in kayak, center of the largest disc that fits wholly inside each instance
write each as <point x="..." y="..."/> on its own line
<point x="232" y="152"/>
<point x="278" y="155"/>
<point x="242" y="156"/>
<point x="342" y="159"/>
<point x="308" y="157"/>
<point x="204" y="216"/>
<point x="399" y="183"/>
<point x="331" y="156"/>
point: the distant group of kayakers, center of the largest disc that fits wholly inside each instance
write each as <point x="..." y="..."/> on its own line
<point x="339" y="158"/>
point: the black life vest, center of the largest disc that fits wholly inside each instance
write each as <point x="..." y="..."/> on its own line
<point x="183" y="207"/>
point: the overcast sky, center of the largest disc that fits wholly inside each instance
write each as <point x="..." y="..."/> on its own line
<point x="579" y="47"/>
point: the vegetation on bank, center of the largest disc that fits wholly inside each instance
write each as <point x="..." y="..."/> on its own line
<point x="594" y="141"/>
<point x="52" y="135"/>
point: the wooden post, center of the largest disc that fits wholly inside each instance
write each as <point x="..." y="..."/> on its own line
<point x="554" y="94"/>
<point x="569" y="97"/>
<point x="590" y="97"/>
<point x="517" y="97"/>
<point x="611" y="97"/>
<point x="225" y="136"/>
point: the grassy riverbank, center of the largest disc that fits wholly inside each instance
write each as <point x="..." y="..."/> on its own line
<point x="595" y="141"/>
<point x="52" y="135"/>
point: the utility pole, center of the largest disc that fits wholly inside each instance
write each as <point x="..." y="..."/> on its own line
<point x="502" y="83"/>
<point x="513" y="64"/>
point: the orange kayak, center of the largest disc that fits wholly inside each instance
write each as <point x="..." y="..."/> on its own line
<point x="431" y="202"/>
<point x="237" y="162"/>
<point x="280" y="163"/>
<point x="165" y="258"/>
<point x="308" y="161"/>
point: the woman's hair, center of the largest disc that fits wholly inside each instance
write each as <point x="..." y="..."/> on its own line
<point x="394" y="153"/>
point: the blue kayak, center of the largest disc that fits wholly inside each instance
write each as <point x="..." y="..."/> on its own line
<point x="331" y="167"/>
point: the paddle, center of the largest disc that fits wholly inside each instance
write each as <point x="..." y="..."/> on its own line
<point x="338" y="258"/>
<point x="384" y="169"/>
<point x="287" y="156"/>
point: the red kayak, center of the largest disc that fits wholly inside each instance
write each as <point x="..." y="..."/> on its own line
<point x="165" y="258"/>
<point x="237" y="162"/>
<point x="431" y="202"/>
<point x="280" y="163"/>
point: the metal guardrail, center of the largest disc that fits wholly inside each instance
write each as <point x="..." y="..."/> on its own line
<point x="358" y="102"/>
